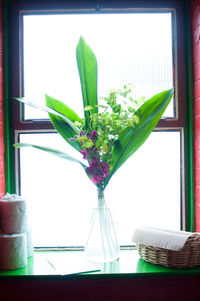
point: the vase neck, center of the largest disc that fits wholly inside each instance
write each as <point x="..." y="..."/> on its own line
<point x="101" y="200"/>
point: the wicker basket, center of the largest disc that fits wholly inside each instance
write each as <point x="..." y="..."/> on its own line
<point x="187" y="257"/>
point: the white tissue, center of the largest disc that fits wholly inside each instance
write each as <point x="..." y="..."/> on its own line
<point x="159" y="238"/>
<point x="13" y="251"/>
<point x="13" y="214"/>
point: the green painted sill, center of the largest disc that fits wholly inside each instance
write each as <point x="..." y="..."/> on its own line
<point x="71" y="263"/>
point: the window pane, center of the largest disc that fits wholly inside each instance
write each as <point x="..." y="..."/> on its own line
<point x="144" y="191"/>
<point x="131" y="48"/>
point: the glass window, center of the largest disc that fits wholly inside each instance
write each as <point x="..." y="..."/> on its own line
<point x="132" y="47"/>
<point x="144" y="191"/>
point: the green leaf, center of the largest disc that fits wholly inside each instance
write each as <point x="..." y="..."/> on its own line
<point x="87" y="67"/>
<point x="132" y="138"/>
<point x="63" y="128"/>
<point x="49" y="110"/>
<point x="61" y="116"/>
<point x="61" y="108"/>
<point x="52" y="151"/>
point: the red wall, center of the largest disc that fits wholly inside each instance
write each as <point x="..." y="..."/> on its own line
<point x="2" y="177"/>
<point x="195" y="13"/>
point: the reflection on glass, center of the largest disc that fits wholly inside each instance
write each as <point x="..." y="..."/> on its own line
<point x="146" y="267"/>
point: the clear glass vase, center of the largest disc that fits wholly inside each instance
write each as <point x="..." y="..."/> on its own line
<point x="102" y="244"/>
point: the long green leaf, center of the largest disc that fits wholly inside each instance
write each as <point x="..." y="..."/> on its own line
<point x="61" y="108"/>
<point x="53" y="152"/>
<point x="49" y="110"/>
<point x="133" y="137"/>
<point x="63" y="128"/>
<point x="87" y="67"/>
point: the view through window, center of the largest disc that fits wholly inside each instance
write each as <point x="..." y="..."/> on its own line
<point x="131" y="48"/>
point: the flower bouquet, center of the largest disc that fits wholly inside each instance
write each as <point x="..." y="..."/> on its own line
<point x="107" y="136"/>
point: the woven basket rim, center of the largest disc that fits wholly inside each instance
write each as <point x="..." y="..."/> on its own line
<point x="186" y="257"/>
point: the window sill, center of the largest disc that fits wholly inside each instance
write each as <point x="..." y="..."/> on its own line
<point x="71" y="263"/>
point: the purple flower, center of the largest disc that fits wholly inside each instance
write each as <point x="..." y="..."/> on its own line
<point x="98" y="170"/>
<point x="93" y="135"/>
<point x="105" y="169"/>
<point x="92" y="168"/>
<point x="95" y="179"/>
<point x="83" y="152"/>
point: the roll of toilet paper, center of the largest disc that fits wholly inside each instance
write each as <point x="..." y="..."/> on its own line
<point x="13" y="214"/>
<point x="13" y="251"/>
<point x="29" y="243"/>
